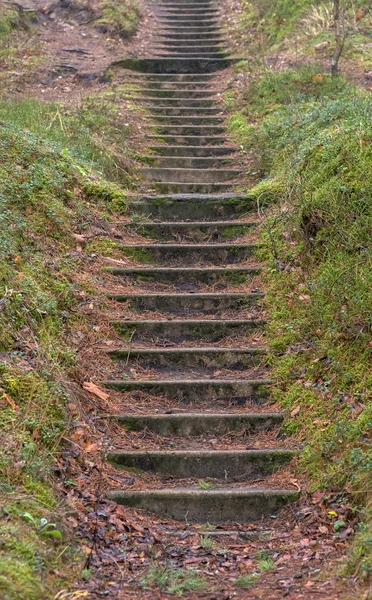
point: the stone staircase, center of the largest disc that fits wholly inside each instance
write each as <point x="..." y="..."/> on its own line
<point x="192" y="317"/>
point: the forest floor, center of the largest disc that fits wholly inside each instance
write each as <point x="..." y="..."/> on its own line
<point x="297" y="555"/>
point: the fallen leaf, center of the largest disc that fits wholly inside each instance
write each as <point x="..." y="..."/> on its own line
<point x="94" y="389"/>
<point x="332" y="514"/>
<point x="8" y="400"/>
<point x="295" y="411"/>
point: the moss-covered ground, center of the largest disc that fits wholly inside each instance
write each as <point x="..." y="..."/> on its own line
<point x="311" y="137"/>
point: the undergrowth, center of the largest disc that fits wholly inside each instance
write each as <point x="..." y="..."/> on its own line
<point x="303" y="29"/>
<point x="119" y="17"/>
<point x="45" y="196"/>
<point x="312" y="138"/>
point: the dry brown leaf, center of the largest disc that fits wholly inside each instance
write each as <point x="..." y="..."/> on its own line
<point x="94" y="389"/>
<point x="295" y="411"/>
<point x="8" y="400"/>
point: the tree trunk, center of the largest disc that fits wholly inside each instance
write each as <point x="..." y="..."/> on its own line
<point x="340" y="34"/>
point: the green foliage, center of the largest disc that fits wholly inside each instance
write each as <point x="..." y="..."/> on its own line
<point x="173" y="581"/>
<point x="315" y="146"/>
<point x="94" y="133"/>
<point x="304" y="28"/>
<point x="44" y="195"/>
<point x="246" y="581"/>
<point x="119" y="17"/>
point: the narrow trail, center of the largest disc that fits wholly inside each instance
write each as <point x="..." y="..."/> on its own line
<point x="192" y="467"/>
<point x="193" y="297"/>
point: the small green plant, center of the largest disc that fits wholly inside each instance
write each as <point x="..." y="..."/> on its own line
<point x="173" y="580"/>
<point x="206" y="542"/>
<point x="45" y="529"/>
<point x="246" y="581"/>
<point x="204" y="485"/>
<point x="265" y="564"/>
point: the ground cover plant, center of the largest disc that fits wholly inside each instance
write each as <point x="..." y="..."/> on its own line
<point x="304" y="30"/>
<point x="45" y="194"/>
<point x="311" y="134"/>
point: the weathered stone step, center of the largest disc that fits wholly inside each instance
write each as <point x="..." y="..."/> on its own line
<point x="216" y="464"/>
<point x="191" y="9"/>
<point x="175" y="93"/>
<point x="188" y="275"/>
<point x="174" y="187"/>
<point x="186" y="24"/>
<point x="183" y="111"/>
<point x="201" y="176"/>
<point x="228" y="505"/>
<point x="187" y="162"/>
<point x="229" y="358"/>
<point x="213" y="231"/>
<point x="201" y="53"/>
<point x="176" y="35"/>
<point x="207" y="303"/>
<point x="186" y="329"/>
<point x="200" y="206"/>
<point x="184" y="140"/>
<point x="197" y="390"/>
<point x="193" y="120"/>
<point x="197" y="424"/>
<point x="187" y="17"/>
<point x="176" y="65"/>
<point x="189" y="43"/>
<point x="214" y="254"/>
<point x="178" y="102"/>
<point x="180" y="77"/>
<point x="175" y="85"/>
<point x="193" y="151"/>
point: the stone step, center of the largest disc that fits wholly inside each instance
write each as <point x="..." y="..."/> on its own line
<point x="200" y="54"/>
<point x="179" y="111"/>
<point x="193" y="120"/>
<point x="176" y="65"/>
<point x="178" y="102"/>
<point x="238" y="391"/>
<point x="194" y="18"/>
<point x="217" y="231"/>
<point x="192" y="140"/>
<point x="184" y="330"/>
<point x="227" y="505"/>
<point x="188" y="276"/>
<point x="201" y="37"/>
<point x="192" y="9"/>
<point x="190" y="130"/>
<point x="167" y="93"/>
<point x="205" y="50"/>
<point x="174" y="187"/>
<point x="193" y="151"/>
<point x="174" y="77"/>
<point x="198" y="424"/>
<point x="187" y="162"/>
<point x="189" y="43"/>
<point x="200" y="176"/>
<point x="200" y="206"/>
<point x="189" y="25"/>
<point x="174" y="85"/>
<point x="216" y="464"/>
<point x="190" y="254"/>
<point x="229" y="358"/>
<point x="207" y="303"/>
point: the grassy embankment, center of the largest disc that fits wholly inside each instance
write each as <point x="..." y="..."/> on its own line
<point x="58" y="172"/>
<point x="311" y="136"/>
